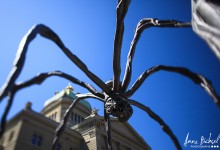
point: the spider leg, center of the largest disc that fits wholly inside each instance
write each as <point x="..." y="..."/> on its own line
<point x="60" y="128"/>
<point x="157" y="118"/>
<point x="108" y="129"/>
<point x="196" y="78"/>
<point x="43" y="76"/>
<point x="141" y="26"/>
<point x="21" y="54"/>
<point x="122" y="8"/>
<point x="38" y="80"/>
<point x="5" y="114"/>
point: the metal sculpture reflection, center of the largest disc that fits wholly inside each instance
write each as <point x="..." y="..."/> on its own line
<point x="114" y="95"/>
<point x="206" y="22"/>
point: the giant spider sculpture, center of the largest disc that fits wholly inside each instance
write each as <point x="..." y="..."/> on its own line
<point x="114" y="94"/>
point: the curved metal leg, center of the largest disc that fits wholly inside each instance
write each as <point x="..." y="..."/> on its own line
<point x="38" y="80"/>
<point x="108" y="130"/>
<point x="60" y="128"/>
<point x="122" y="8"/>
<point x="196" y="78"/>
<point x="43" y="76"/>
<point x="5" y="114"/>
<point x="157" y="118"/>
<point x="141" y="26"/>
<point x="21" y="55"/>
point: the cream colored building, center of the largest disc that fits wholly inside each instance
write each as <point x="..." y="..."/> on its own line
<point x="30" y="130"/>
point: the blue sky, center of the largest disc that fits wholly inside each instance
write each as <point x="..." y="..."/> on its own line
<point x="87" y="29"/>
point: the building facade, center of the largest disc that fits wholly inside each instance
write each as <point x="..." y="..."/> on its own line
<point x="31" y="130"/>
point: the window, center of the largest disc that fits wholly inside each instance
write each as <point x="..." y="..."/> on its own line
<point x="51" y="116"/>
<point x="76" y="117"/>
<point x="58" y="147"/>
<point x="72" y="116"/>
<point x="79" y="118"/>
<point x="55" y="115"/>
<point x="36" y="140"/>
<point x="11" y="136"/>
<point x="39" y="141"/>
<point x="118" y="145"/>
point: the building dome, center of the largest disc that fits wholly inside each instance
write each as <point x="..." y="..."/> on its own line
<point x="68" y="92"/>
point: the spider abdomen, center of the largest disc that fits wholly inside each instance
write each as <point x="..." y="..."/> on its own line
<point x="118" y="108"/>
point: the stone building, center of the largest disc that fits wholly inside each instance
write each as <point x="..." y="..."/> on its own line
<point x="30" y="130"/>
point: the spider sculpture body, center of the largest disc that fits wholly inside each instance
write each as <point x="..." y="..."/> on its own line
<point x="118" y="106"/>
<point x="114" y="94"/>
